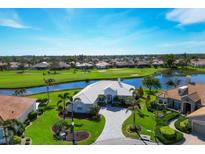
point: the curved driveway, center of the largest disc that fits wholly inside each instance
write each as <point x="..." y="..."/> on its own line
<point x="114" y="118"/>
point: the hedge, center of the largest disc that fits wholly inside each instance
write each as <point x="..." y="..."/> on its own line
<point x="179" y="136"/>
<point x="32" y="116"/>
<point x="168" y="132"/>
<point x="16" y="140"/>
<point x="183" y="125"/>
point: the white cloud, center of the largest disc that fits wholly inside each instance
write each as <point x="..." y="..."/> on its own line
<point x="186" y="16"/>
<point x="10" y="18"/>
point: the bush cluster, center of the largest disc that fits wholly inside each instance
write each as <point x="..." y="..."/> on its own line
<point x="183" y="125"/>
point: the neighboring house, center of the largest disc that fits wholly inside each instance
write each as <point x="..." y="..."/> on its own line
<point x="41" y="66"/>
<point x="13" y="107"/>
<point x="198" y="63"/>
<point x="83" y="65"/>
<point x="157" y="63"/>
<point x="189" y="100"/>
<point x="102" y="65"/>
<point x="143" y="63"/>
<point x="198" y="120"/>
<point x="61" y="65"/>
<point x="89" y="96"/>
<point x="14" y="65"/>
<point x="3" y="65"/>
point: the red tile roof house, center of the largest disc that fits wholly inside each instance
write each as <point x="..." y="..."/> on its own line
<point x="198" y="63"/>
<point x="189" y="100"/>
<point x="13" y="107"/>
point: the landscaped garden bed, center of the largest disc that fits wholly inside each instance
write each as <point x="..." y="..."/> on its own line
<point x="183" y="125"/>
<point x="79" y="136"/>
<point x="150" y="123"/>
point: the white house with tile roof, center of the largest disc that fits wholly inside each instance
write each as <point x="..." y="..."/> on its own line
<point x="89" y="96"/>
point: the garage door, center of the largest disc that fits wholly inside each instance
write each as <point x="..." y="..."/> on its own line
<point x="199" y="127"/>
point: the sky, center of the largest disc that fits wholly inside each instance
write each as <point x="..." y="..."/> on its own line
<point x="101" y="31"/>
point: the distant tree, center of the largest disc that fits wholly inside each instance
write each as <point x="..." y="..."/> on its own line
<point x="169" y="60"/>
<point x="48" y="83"/>
<point x="173" y="83"/>
<point x="20" y="92"/>
<point x="151" y="82"/>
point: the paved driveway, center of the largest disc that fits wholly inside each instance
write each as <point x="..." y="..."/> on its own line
<point x="191" y="139"/>
<point x="114" y="118"/>
<point x="123" y="141"/>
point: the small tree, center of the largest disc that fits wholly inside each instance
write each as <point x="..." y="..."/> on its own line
<point x="20" y="92"/>
<point x="48" y="83"/>
<point x="151" y="82"/>
<point x="94" y="110"/>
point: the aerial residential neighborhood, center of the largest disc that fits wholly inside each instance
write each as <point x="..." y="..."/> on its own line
<point x="102" y="77"/>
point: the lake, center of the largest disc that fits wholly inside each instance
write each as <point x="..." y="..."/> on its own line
<point x="137" y="82"/>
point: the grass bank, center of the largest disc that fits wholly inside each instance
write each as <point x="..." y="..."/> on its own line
<point x="34" y="78"/>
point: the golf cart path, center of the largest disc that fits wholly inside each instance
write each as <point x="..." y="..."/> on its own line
<point x="114" y="118"/>
<point x="190" y="139"/>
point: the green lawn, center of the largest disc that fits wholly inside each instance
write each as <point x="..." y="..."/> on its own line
<point x="40" y="130"/>
<point x="147" y="122"/>
<point x="31" y="78"/>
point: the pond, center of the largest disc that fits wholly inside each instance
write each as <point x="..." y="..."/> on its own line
<point x="137" y="82"/>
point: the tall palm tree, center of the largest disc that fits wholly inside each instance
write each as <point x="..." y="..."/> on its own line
<point x="63" y="100"/>
<point x="137" y="95"/>
<point x="72" y="101"/>
<point x="48" y="83"/>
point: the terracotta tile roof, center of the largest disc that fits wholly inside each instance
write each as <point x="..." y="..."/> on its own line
<point x="194" y="97"/>
<point x="199" y="112"/>
<point x="12" y="107"/>
<point x="192" y="90"/>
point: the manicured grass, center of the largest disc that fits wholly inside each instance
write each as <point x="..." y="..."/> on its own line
<point x="31" y="78"/>
<point x="147" y="122"/>
<point x="40" y="130"/>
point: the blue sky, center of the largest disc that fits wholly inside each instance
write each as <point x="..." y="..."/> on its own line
<point x="101" y="31"/>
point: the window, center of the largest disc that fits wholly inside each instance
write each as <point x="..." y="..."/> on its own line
<point x="79" y="107"/>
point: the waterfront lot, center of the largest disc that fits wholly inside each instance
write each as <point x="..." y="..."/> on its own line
<point x="41" y="133"/>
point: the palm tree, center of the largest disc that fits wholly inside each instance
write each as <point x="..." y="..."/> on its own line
<point x="20" y="92"/>
<point x="63" y="99"/>
<point x="72" y="101"/>
<point x="48" y="83"/>
<point x="135" y="106"/>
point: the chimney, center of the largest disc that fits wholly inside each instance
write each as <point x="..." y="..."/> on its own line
<point x="183" y="90"/>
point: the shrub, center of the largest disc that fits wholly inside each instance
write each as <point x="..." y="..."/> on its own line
<point x="32" y="116"/>
<point x="20" y="131"/>
<point x="164" y="140"/>
<point x="28" y="139"/>
<point x="16" y="140"/>
<point x="168" y="132"/>
<point x="103" y="104"/>
<point x="183" y="125"/>
<point x="27" y="122"/>
<point x="60" y="126"/>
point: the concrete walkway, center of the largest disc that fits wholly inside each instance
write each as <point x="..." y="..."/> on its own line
<point x="114" y="118"/>
<point x="190" y="139"/>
